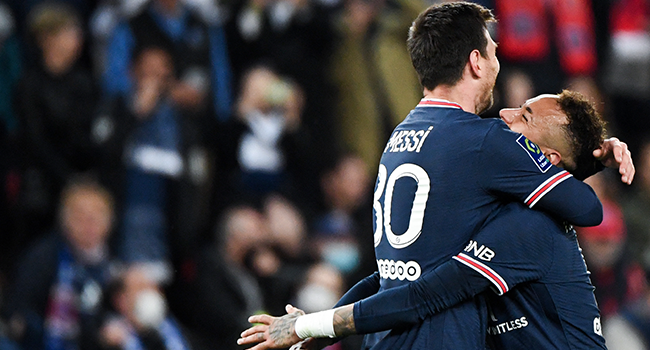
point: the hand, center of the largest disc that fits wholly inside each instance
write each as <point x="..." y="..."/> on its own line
<point x="114" y="333"/>
<point x="274" y="332"/>
<point x="149" y="91"/>
<point x="186" y="96"/>
<point x="614" y="154"/>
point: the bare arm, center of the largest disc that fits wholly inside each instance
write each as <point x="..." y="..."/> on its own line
<point x="344" y="321"/>
<point x="280" y="332"/>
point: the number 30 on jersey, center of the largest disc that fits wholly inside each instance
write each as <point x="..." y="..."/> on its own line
<point x="383" y="215"/>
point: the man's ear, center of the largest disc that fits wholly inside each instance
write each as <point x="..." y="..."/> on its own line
<point x="553" y="156"/>
<point x="474" y="67"/>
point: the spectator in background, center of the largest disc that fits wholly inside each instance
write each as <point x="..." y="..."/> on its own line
<point x="255" y="263"/>
<point x="343" y="224"/>
<point x="321" y="287"/>
<point x="372" y="72"/>
<point x="143" y="320"/>
<point x="22" y="10"/>
<point x="629" y="329"/>
<point x="269" y="112"/>
<point x="102" y="23"/>
<point x="155" y="159"/>
<point x="294" y="37"/>
<point x="544" y="45"/>
<point x="201" y="88"/>
<point x="55" y="102"/>
<point x="616" y="277"/>
<point x="56" y="299"/>
<point x="636" y="207"/>
<point x="627" y="69"/>
<point x="198" y="48"/>
<point x="217" y="300"/>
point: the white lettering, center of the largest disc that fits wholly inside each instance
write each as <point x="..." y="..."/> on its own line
<point x="423" y="138"/>
<point x="391" y="269"/>
<point x="487" y="254"/>
<point x="398" y="141"/>
<point x="598" y="329"/>
<point x="509" y="326"/>
<point x="484" y="253"/>
<point x="407" y="140"/>
<point x="413" y="145"/>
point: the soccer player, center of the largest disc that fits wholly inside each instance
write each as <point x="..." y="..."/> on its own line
<point x="445" y="171"/>
<point x="554" y="309"/>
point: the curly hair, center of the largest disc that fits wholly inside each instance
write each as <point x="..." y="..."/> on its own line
<point x="585" y="131"/>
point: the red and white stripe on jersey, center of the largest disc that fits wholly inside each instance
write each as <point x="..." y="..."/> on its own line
<point x="546" y="187"/>
<point x="484" y="270"/>
<point x="438" y="103"/>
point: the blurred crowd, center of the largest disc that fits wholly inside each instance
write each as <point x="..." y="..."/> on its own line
<point x="171" y="167"/>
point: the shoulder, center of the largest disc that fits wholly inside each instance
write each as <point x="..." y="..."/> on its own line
<point x="46" y="247"/>
<point x="40" y="258"/>
<point x="32" y="77"/>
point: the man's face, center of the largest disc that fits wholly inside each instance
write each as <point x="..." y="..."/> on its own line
<point x="492" y="64"/>
<point x="86" y="219"/>
<point x="539" y="119"/>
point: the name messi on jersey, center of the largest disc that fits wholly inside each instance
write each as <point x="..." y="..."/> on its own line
<point x="484" y="253"/>
<point x="407" y="140"/>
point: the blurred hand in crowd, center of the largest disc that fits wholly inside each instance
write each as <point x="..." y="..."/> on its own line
<point x="152" y="74"/>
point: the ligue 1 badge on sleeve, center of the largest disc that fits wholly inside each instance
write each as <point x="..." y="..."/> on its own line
<point x="598" y="329"/>
<point x="535" y="153"/>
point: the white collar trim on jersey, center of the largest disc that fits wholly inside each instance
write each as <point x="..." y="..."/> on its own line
<point x="430" y="102"/>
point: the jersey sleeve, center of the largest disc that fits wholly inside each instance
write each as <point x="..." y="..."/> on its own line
<point x="515" y="167"/>
<point x="362" y="289"/>
<point x="436" y="290"/>
<point x="516" y="246"/>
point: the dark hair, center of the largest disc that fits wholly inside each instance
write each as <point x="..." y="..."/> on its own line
<point x="585" y="131"/>
<point x="441" y="39"/>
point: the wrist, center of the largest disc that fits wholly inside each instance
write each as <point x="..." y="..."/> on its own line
<point x="315" y="325"/>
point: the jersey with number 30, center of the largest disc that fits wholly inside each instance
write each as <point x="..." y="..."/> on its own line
<point x="442" y="174"/>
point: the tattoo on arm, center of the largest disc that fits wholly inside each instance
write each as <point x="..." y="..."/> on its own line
<point x="344" y="321"/>
<point x="282" y="330"/>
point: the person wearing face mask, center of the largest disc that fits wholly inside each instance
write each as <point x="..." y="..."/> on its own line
<point x="269" y="111"/>
<point x="55" y="301"/>
<point x="143" y="321"/>
<point x="338" y="228"/>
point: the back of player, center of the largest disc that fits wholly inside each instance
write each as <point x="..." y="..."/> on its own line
<point x="440" y="177"/>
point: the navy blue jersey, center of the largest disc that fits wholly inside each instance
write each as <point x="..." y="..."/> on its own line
<point x="556" y="307"/>
<point x="548" y="302"/>
<point x="443" y="173"/>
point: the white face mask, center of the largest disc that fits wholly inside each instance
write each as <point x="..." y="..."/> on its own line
<point x="344" y="256"/>
<point x="314" y="297"/>
<point x="150" y="308"/>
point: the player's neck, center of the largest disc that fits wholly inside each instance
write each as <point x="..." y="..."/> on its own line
<point x="457" y="93"/>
